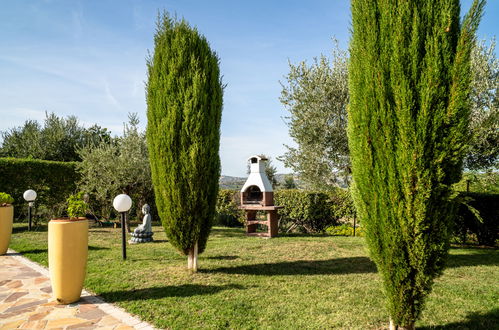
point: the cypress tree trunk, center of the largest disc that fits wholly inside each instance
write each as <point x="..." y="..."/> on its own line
<point x="184" y="109"/>
<point x="409" y="82"/>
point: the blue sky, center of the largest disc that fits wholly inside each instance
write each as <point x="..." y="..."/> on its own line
<point x="87" y="58"/>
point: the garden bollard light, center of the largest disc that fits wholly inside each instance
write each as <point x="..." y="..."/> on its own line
<point x="30" y="196"/>
<point x="122" y="203"/>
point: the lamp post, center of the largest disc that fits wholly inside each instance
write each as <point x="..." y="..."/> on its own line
<point x="122" y="203"/>
<point x="30" y="196"/>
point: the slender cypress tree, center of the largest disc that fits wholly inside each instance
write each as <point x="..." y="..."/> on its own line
<point x="184" y="109"/>
<point x="407" y="127"/>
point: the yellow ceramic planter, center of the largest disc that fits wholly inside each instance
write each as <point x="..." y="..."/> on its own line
<point x="6" y="217"/>
<point x="68" y="251"/>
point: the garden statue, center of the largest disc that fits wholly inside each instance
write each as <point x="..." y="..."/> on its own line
<point x="143" y="233"/>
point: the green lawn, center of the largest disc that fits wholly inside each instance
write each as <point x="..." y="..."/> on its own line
<point x="291" y="282"/>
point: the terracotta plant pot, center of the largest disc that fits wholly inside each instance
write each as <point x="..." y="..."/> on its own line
<point x="68" y="251"/>
<point x="6" y="218"/>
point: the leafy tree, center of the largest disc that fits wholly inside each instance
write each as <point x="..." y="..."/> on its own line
<point x="289" y="182"/>
<point x="184" y="109"/>
<point x="484" y="123"/>
<point x="98" y="176"/>
<point x="408" y="117"/>
<point x="23" y="142"/>
<point x="121" y="166"/>
<point x="59" y="139"/>
<point x="316" y="97"/>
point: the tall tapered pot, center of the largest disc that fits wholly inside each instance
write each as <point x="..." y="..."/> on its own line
<point x="6" y="218"/>
<point x="68" y="252"/>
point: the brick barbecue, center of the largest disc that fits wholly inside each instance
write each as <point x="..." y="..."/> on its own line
<point x="257" y="195"/>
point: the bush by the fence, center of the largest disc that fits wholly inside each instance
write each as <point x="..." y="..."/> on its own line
<point x="341" y="202"/>
<point x="52" y="181"/>
<point x="486" y="228"/>
<point x="309" y="211"/>
<point x="344" y="230"/>
<point x="227" y="212"/>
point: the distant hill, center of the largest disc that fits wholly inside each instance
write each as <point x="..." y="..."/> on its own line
<point x="231" y="182"/>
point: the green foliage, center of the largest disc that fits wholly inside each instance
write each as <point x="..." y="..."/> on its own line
<point x="478" y="215"/>
<point x="184" y="109"/>
<point x="484" y="119"/>
<point x="59" y="139"/>
<point x="228" y="212"/>
<point x="304" y="211"/>
<point x="479" y="182"/>
<point x="121" y="166"/>
<point x="344" y="230"/>
<point x="5" y="199"/>
<point x="316" y="97"/>
<point x="76" y="205"/>
<point x="341" y="204"/>
<point x="408" y="116"/>
<point x="289" y="182"/>
<point x="52" y="181"/>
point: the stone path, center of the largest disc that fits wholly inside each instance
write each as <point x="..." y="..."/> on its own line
<point x="26" y="302"/>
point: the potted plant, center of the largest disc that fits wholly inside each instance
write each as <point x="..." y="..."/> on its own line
<point x="6" y="218"/>
<point x="68" y="251"/>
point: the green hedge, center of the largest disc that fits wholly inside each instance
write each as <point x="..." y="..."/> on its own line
<point x="486" y="228"/>
<point x="228" y="212"/>
<point x="53" y="182"/>
<point x="312" y="211"/>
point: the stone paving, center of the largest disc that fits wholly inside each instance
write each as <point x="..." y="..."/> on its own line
<point x="26" y="302"/>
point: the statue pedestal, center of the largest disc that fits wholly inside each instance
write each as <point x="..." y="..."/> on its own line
<point x="142" y="237"/>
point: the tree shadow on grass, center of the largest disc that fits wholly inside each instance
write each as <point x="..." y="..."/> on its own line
<point x="222" y="258"/>
<point x="489" y="320"/>
<point x="185" y="290"/>
<point x="228" y="232"/>
<point x="24" y="228"/>
<point x="352" y="265"/>
<point x="480" y="258"/>
<point x="36" y="251"/>
<point x="97" y="248"/>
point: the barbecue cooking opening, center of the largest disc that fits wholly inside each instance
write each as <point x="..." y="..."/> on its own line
<point x="253" y="195"/>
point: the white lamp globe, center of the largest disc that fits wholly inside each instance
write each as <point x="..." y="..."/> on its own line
<point x="29" y="195"/>
<point x="122" y="203"/>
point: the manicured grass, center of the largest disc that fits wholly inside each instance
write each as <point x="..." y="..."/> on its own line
<point x="290" y="282"/>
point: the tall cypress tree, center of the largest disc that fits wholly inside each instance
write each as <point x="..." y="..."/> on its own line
<point x="184" y="109"/>
<point x="407" y="127"/>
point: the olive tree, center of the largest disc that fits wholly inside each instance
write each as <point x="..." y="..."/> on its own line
<point x="316" y="97"/>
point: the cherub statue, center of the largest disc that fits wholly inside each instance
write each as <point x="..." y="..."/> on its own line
<point x="143" y="233"/>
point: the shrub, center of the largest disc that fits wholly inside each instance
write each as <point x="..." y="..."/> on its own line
<point x="344" y="230"/>
<point x="52" y="181"/>
<point x="76" y="206"/>
<point x="304" y="211"/>
<point x="341" y="202"/>
<point x="228" y="212"/>
<point x="485" y="225"/>
<point x="5" y="199"/>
